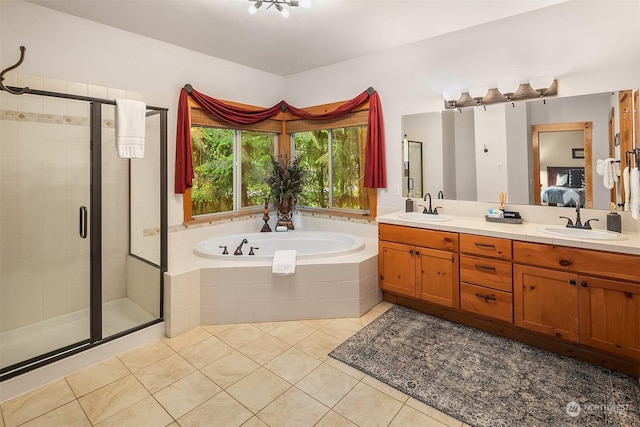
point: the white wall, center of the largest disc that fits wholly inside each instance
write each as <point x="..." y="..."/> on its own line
<point x="590" y="47"/>
<point x="69" y="48"/>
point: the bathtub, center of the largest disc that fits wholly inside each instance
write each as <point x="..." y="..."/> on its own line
<point x="308" y="245"/>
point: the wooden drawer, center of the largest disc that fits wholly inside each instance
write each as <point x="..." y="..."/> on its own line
<point x="486" y="302"/>
<point x="485" y="246"/>
<point x="583" y="261"/>
<point x="486" y="272"/>
<point x="433" y="239"/>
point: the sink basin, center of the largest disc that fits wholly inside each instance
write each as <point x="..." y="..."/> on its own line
<point x="419" y="216"/>
<point x="579" y="233"/>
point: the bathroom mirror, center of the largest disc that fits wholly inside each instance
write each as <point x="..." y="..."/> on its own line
<point x="411" y="167"/>
<point x="475" y="153"/>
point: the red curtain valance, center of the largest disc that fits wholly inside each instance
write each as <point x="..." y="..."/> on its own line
<point x="374" y="173"/>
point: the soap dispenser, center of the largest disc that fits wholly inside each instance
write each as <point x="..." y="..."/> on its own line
<point x="409" y="203"/>
<point x="614" y="220"/>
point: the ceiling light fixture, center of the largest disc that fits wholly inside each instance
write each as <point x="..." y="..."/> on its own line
<point x="282" y="6"/>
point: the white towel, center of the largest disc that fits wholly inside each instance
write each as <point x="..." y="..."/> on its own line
<point x="130" y="116"/>
<point x="607" y="169"/>
<point x="284" y="262"/>
<point x="634" y="178"/>
<point x="627" y="190"/>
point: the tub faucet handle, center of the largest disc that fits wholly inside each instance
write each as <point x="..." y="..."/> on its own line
<point x="224" y="252"/>
<point x="251" y="250"/>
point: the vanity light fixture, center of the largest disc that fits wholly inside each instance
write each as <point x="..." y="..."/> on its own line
<point x="538" y="87"/>
<point x="282" y="6"/>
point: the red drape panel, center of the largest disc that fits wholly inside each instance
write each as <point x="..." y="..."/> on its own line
<point x="375" y="171"/>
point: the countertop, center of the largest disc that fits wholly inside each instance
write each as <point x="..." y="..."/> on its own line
<point x="527" y="232"/>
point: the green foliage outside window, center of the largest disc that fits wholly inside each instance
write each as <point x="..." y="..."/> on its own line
<point x="346" y="166"/>
<point x="213" y="173"/>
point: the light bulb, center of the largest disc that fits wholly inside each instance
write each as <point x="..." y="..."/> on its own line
<point x="508" y="88"/>
<point x="541" y="83"/>
<point x="254" y="7"/>
<point x="305" y="3"/>
<point x="478" y="92"/>
<point x="284" y="12"/>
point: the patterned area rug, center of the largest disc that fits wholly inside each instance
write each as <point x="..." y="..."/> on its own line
<point x="486" y="380"/>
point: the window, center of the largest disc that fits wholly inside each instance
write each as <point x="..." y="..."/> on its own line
<point x="218" y="186"/>
<point x="334" y="159"/>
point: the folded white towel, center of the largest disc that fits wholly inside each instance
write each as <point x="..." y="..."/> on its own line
<point x="627" y="190"/>
<point x="607" y="169"/>
<point x="600" y="167"/>
<point x="130" y="117"/>
<point x="284" y="262"/>
<point x="634" y="178"/>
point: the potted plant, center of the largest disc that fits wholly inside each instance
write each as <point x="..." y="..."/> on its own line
<point x="286" y="183"/>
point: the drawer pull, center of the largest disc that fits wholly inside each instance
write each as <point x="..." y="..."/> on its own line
<point x="486" y="298"/>
<point x="484" y="267"/>
<point x="484" y="245"/>
<point x="448" y="239"/>
<point x="565" y="262"/>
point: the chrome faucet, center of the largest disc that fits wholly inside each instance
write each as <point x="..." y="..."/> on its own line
<point x="578" y="223"/>
<point x="238" y="250"/>
<point x="429" y="210"/>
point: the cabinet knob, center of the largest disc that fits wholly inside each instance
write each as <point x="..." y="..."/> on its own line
<point x="572" y="282"/>
<point x="411" y="251"/>
<point x="565" y="262"/>
<point x="417" y="252"/>
<point x="583" y="284"/>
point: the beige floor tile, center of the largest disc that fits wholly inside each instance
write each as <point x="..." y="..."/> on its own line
<point x="333" y="419"/>
<point x="258" y="389"/>
<point x="366" y="406"/>
<point x="1" y="419"/>
<point x="367" y="318"/>
<point x="186" y="339"/>
<point x="409" y="417"/>
<point x="293" y="408"/>
<point x="382" y="306"/>
<point x="69" y="415"/>
<point x="264" y="348"/>
<point x="187" y="393"/>
<point x="345" y="368"/>
<point x="113" y="398"/>
<point x="146" y="355"/>
<point x="433" y="413"/>
<point x="159" y="375"/>
<point x="146" y="413"/>
<point x="292" y="332"/>
<point x="292" y="365"/>
<point x="319" y="345"/>
<point x="206" y="352"/>
<point x="327" y="385"/>
<point x="386" y="389"/>
<point x="30" y="405"/>
<point x="216" y="329"/>
<point x="316" y="323"/>
<point x="341" y="328"/>
<point x="238" y="335"/>
<point x="267" y="326"/>
<point x="254" y="422"/>
<point x="96" y="376"/>
<point x="229" y="369"/>
<point x="221" y="410"/>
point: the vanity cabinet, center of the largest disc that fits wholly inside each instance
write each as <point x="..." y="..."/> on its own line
<point x="419" y="263"/>
<point x="486" y="285"/>
<point x="579" y="295"/>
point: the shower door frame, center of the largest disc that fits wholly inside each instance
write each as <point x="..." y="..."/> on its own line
<point x="95" y="244"/>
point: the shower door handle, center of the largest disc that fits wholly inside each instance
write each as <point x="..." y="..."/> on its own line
<point x="83" y="222"/>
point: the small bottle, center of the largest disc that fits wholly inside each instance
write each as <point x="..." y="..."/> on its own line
<point x="614" y="220"/>
<point x="409" y="203"/>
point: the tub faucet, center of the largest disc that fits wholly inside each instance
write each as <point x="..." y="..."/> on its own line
<point x="429" y="210"/>
<point x="578" y="223"/>
<point x="238" y="250"/>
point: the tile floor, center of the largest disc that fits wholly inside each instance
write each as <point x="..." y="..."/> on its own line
<point x="258" y="374"/>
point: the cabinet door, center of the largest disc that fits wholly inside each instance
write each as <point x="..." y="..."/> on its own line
<point x="546" y="301"/>
<point x="610" y="315"/>
<point x="437" y="277"/>
<point x="396" y="264"/>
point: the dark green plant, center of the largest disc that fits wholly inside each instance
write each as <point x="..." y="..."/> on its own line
<point x="286" y="180"/>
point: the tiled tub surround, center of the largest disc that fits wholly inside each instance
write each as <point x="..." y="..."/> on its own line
<point x="200" y="291"/>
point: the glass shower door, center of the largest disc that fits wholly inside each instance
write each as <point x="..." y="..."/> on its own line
<point x="44" y="226"/>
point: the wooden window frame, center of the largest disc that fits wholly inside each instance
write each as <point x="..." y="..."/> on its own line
<point x="284" y="146"/>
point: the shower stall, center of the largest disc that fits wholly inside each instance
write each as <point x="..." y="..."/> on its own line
<point x="82" y="231"/>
